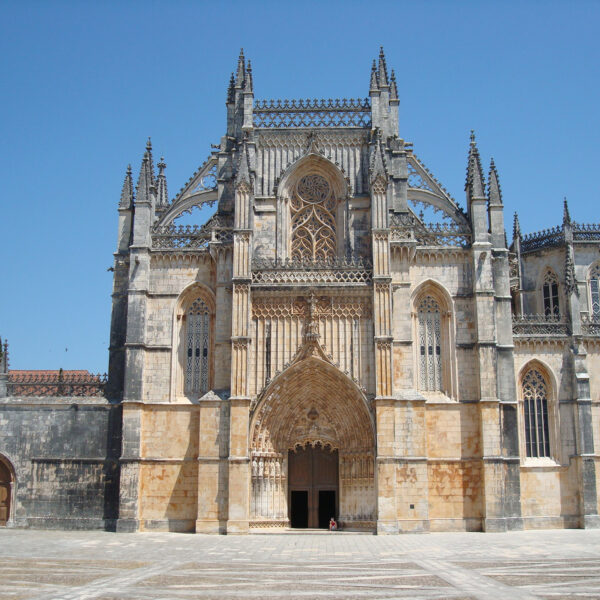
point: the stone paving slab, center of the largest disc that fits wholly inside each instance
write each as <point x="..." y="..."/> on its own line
<point x="52" y="565"/>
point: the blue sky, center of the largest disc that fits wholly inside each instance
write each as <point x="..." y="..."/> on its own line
<point x="85" y="83"/>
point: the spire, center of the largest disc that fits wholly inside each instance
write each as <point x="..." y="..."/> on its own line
<point x="494" y="190"/>
<point x="566" y="214"/>
<point x="162" y="197"/>
<point x="243" y="167"/>
<point x="383" y="78"/>
<point x="144" y="183"/>
<point x="241" y="70"/>
<point x="248" y="86"/>
<point x="231" y="90"/>
<point x="516" y="227"/>
<point x="374" y="85"/>
<point x="475" y="185"/>
<point x="127" y="191"/>
<point x="393" y="87"/>
<point x="150" y="161"/>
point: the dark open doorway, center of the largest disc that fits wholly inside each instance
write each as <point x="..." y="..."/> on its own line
<point x="299" y="509"/>
<point x="326" y="507"/>
<point x="313" y="486"/>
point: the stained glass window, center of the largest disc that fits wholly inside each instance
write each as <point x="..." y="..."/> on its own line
<point x="535" y="409"/>
<point x="313" y="222"/>
<point x="197" y="341"/>
<point x="550" y="295"/>
<point x="430" y="355"/>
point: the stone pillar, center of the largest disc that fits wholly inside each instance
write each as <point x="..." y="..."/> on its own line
<point x="129" y="490"/>
<point x="239" y="450"/>
<point x="585" y="455"/>
<point x="387" y="520"/>
<point x="211" y="463"/>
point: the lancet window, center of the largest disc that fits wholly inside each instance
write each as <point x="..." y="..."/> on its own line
<point x="595" y="291"/>
<point x="313" y="222"/>
<point x="535" y="412"/>
<point x="550" y="295"/>
<point x="197" y="348"/>
<point x="430" y="344"/>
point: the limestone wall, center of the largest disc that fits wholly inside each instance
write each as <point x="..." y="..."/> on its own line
<point x="169" y="469"/>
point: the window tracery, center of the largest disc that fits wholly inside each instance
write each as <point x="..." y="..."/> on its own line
<point x="430" y="342"/>
<point x="535" y="411"/>
<point x="595" y="291"/>
<point x="313" y="223"/>
<point x="197" y="348"/>
<point x="550" y="295"/>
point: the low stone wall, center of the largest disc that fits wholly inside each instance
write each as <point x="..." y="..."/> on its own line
<point x="63" y="452"/>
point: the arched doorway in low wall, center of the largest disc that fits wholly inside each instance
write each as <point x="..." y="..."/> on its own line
<point x="6" y="489"/>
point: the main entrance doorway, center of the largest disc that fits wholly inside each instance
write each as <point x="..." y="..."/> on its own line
<point x="313" y="486"/>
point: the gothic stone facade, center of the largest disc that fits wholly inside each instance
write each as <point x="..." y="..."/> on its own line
<point x="317" y="348"/>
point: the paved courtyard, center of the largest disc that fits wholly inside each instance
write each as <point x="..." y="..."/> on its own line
<point x="105" y="566"/>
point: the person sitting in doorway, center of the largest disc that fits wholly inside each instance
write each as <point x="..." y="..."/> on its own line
<point x="332" y="524"/>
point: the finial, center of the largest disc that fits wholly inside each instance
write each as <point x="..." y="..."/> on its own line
<point x="149" y="145"/>
<point x="393" y="87"/>
<point x="475" y="184"/>
<point x="566" y="214"/>
<point x="248" y="86"/>
<point x="516" y="227"/>
<point x="494" y="190"/>
<point x="127" y="190"/>
<point x="374" y="84"/>
<point x="241" y="70"/>
<point x="161" y="164"/>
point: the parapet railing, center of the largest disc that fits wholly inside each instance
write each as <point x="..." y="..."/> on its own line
<point x="539" y="325"/>
<point x="324" y="272"/>
<point x="583" y="232"/>
<point x="56" y="384"/>
<point x="312" y="113"/>
<point x="590" y="324"/>
<point x="406" y="226"/>
<point x="547" y="238"/>
<point x="187" y="237"/>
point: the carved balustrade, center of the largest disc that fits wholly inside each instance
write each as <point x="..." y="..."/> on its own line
<point x="406" y="226"/>
<point x="539" y="326"/>
<point x="56" y="384"/>
<point x="590" y="324"/>
<point x="312" y="113"/>
<point x="188" y="237"/>
<point x="324" y="272"/>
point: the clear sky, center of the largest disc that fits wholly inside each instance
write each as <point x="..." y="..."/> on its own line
<point x="85" y="83"/>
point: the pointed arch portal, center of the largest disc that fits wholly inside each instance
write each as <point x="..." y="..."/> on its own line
<point x="313" y="447"/>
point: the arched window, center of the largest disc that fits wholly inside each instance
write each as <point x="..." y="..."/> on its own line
<point x="197" y="348"/>
<point x="534" y="389"/>
<point x="430" y="344"/>
<point x="550" y="295"/>
<point x="313" y="223"/>
<point x="595" y="291"/>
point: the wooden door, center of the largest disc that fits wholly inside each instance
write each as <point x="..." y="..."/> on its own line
<point x="315" y="472"/>
<point x="5" y="484"/>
